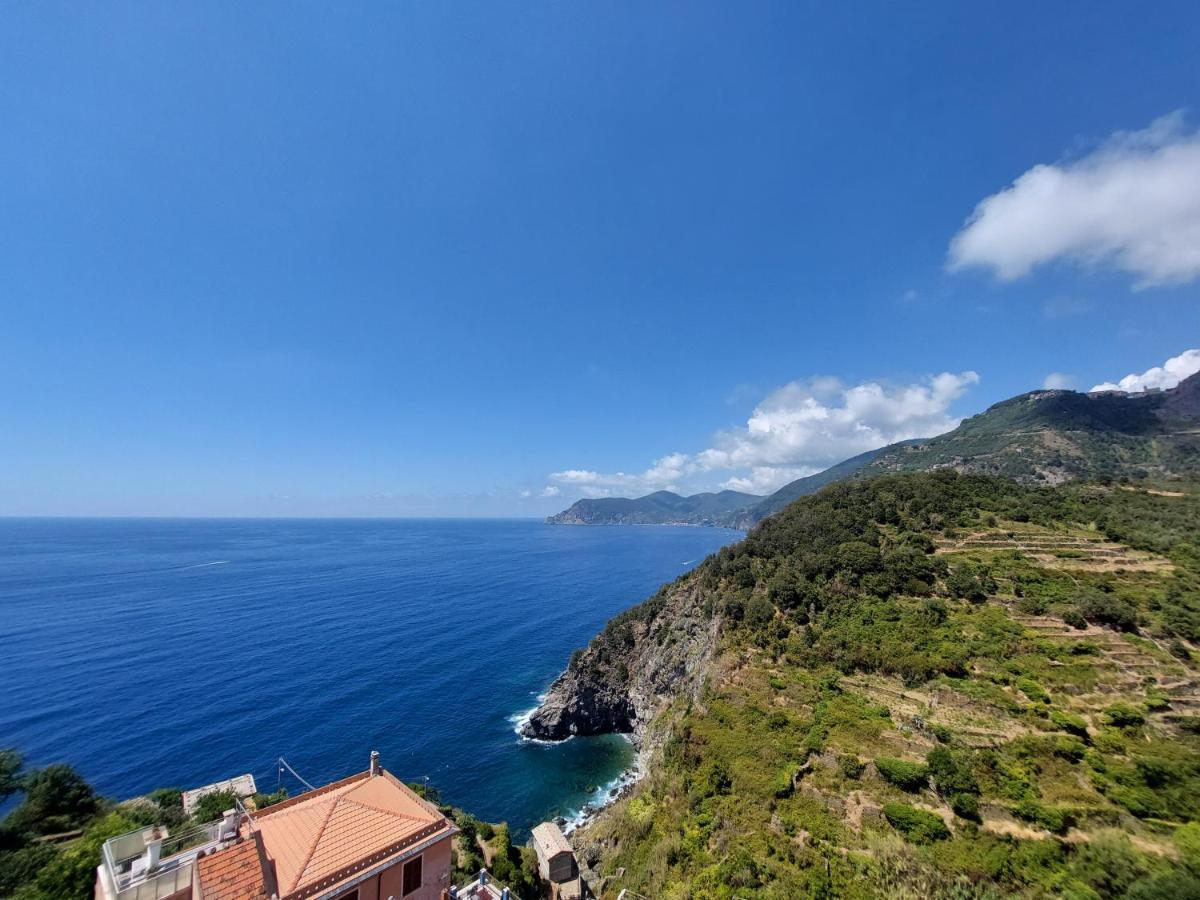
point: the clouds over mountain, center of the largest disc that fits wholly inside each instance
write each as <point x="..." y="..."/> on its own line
<point x="1132" y="204"/>
<point x="798" y="429"/>
<point x="1169" y="374"/>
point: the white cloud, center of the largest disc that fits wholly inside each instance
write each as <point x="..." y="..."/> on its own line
<point x="767" y="479"/>
<point x="1058" y="381"/>
<point x="801" y="428"/>
<point x="1169" y="374"/>
<point x="551" y="490"/>
<point x="1133" y="204"/>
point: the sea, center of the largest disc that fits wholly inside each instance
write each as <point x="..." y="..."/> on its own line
<point x="153" y="652"/>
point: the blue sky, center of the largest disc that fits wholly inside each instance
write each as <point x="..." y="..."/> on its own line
<point x="409" y="259"/>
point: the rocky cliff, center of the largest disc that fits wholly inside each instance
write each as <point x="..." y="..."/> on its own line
<point x="642" y="660"/>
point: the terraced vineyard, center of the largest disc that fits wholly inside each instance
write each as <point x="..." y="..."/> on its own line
<point x="1083" y="551"/>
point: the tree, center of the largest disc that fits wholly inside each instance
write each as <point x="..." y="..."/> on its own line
<point x="72" y="874"/>
<point x="56" y="799"/>
<point x="10" y="772"/>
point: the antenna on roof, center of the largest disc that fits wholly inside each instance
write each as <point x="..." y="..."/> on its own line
<point x="283" y="764"/>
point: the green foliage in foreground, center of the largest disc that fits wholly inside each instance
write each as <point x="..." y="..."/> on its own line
<point x="836" y="616"/>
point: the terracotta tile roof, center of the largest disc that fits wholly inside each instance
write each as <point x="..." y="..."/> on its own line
<point x="341" y="830"/>
<point x="240" y="872"/>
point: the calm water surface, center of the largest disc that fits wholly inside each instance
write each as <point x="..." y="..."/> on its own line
<point x="178" y="652"/>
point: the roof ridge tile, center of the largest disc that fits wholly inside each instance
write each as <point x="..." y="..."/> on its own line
<point x="315" y="841"/>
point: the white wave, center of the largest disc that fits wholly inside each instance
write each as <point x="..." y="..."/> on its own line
<point x="600" y="798"/>
<point x="216" y="562"/>
<point x="518" y="721"/>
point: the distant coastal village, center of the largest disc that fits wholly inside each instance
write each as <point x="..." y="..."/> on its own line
<point x="369" y="836"/>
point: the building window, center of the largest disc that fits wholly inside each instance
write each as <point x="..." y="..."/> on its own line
<point x="353" y="895"/>
<point x="412" y="877"/>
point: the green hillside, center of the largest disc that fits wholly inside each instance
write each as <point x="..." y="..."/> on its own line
<point x="1054" y="436"/>
<point x="929" y="685"/>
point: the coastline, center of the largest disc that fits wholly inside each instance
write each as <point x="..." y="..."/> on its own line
<point x="602" y="797"/>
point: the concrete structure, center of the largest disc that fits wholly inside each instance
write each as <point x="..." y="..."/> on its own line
<point x="367" y="837"/>
<point x="482" y="888"/>
<point x="242" y="786"/>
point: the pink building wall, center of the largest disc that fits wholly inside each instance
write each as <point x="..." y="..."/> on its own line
<point x="435" y="877"/>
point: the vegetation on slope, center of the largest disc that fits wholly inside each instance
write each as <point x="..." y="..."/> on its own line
<point x="1056" y="436"/>
<point x="1015" y="663"/>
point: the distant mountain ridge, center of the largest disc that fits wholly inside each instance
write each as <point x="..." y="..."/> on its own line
<point x="1041" y="437"/>
<point x="659" y="508"/>
<point x="1049" y="437"/>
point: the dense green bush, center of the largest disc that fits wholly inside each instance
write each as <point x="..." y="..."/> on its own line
<point x="916" y="825"/>
<point x="1122" y="715"/>
<point x="1033" y="690"/>
<point x="1051" y="818"/>
<point x="965" y="805"/>
<point x="908" y="776"/>
<point x="1105" y="609"/>
<point x="1069" y="722"/>
<point x="213" y="806"/>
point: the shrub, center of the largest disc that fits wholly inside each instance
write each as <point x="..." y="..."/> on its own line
<point x="851" y="766"/>
<point x="1156" y="701"/>
<point x="908" y="776"/>
<point x="962" y="584"/>
<point x="965" y="806"/>
<point x="1075" y="619"/>
<point x="1109" y="864"/>
<point x="1051" y="818"/>
<point x="952" y="772"/>
<point x="916" y="825"/>
<point x="1105" y="609"/>
<point x="783" y="784"/>
<point x="1122" y="715"/>
<point x="212" y="806"/>
<point x="1069" y="722"/>
<point x="1033" y="690"/>
<point x="262" y="801"/>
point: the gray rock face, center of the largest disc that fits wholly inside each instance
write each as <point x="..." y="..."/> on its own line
<point x="578" y="704"/>
<point x="639" y="663"/>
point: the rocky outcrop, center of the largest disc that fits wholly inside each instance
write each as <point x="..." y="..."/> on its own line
<point x="642" y="660"/>
<point x="581" y="702"/>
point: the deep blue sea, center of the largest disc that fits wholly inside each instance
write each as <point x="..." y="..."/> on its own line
<point x="150" y="653"/>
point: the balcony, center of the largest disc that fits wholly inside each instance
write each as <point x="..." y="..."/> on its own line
<point x="151" y="864"/>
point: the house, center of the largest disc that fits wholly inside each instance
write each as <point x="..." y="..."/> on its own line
<point x="556" y="862"/>
<point x="366" y="837"/>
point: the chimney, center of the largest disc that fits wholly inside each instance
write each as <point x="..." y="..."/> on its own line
<point x="154" y="850"/>
<point x="375" y="770"/>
